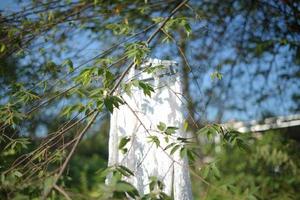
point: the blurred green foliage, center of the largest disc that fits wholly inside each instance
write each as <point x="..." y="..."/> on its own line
<point x="43" y="92"/>
<point x="270" y="170"/>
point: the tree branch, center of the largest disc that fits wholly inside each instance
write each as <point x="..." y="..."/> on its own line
<point x="81" y="134"/>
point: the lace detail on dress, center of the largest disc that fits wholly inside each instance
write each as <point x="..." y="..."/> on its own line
<point x="145" y="159"/>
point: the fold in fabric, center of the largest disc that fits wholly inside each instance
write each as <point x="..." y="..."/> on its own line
<point x="138" y="119"/>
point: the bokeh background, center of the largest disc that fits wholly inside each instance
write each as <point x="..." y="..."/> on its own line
<point x="239" y="63"/>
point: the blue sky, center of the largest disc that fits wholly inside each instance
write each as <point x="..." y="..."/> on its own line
<point x="276" y="105"/>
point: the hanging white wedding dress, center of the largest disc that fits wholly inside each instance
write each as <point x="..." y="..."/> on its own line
<point x="138" y="119"/>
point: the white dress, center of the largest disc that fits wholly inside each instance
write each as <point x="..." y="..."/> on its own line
<point x="144" y="158"/>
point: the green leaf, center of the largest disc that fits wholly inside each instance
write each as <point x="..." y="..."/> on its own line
<point x="2" y="48"/>
<point x="243" y="145"/>
<point x="117" y="101"/>
<point x="69" y="64"/>
<point x="51" y="67"/>
<point x="215" y="75"/>
<point x="134" y="194"/>
<point x="154" y="139"/>
<point x="146" y="87"/>
<point x="104" y="172"/>
<point x="127" y="88"/>
<point x="161" y="126"/>
<point x="205" y="171"/>
<point x="111" y="102"/>
<point x="96" y="93"/>
<point x="183" y="152"/>
<point x="25" y="95"/>
<point x="108" y="78"/>
<point x="185" y="126"/>
<point x="191" y="155"/>
<point x="137" y="51"/>
<point x="123" y="186"/>
<point x="125" y="171"/>
<point x="157" y="19"/>
<point x="71" y="109"/>
<point x="188" y="29"/>
<point x="48" y="183"/>
<point x="119" y="28"/>
<point x="170" y="130"/>
<point x="175" y="148"/>
<point x="123" y="142"/>
<point x="209" y="131"/>
<point x="86" y="75"/>
<point x="169" y="145"/>
<point x="166" y="139"/>
<point x="154" y="69"/>
<point x="215" y="171"/>
<point x="18" y="144"/>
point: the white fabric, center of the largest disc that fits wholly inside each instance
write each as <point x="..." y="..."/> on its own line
<point x="143" y="157"/>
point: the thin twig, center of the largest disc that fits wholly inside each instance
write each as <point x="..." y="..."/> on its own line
<point x="60" y="190"/>
<point x="81" y="134"/>
<point x="66" y="162"/>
